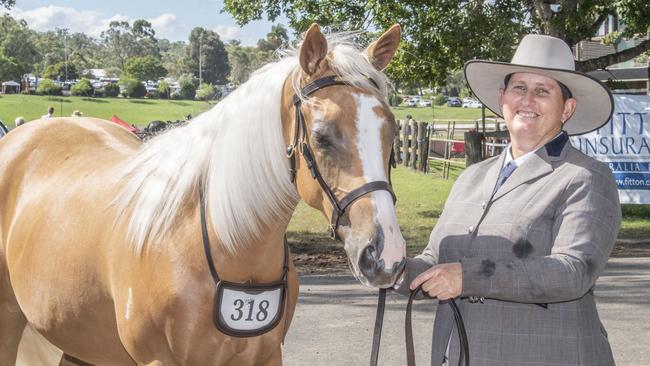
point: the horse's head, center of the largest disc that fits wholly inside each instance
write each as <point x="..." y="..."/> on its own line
<point x="340" y="143"/>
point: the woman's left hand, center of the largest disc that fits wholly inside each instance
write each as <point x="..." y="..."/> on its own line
<point x="443" y="281"/>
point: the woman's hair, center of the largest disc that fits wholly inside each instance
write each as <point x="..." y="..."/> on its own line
<point x="566" y="92"/>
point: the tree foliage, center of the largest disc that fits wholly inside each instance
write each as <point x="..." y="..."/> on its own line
<point x="7" y="3"/>
<point x="122" y="42"/>
<point x="439" y="36"/>
<point x="277" y="38"/>
<point x="59" y="71"/>
<point x="206" y="45"/>
<point x="48" y="87"/>
<point x="244" y="60"/>
<point x="17" y="50"/>
<point x="144" y="68"/>
<point x="83" y="88"/>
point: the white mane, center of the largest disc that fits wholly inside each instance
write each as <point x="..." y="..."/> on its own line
<point x="236" y="150"/>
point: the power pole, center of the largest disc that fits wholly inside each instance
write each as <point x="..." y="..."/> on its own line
<point x="200" y="61"/>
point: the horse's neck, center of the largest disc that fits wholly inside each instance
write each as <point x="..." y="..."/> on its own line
<point x="261" y="260"/>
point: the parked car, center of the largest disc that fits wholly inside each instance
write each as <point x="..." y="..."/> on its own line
<point x="411" y="103"/>
<point x="3" y="129"/>
<point x="454" y="102"/>
<point x="424" y="103"/>
<point x="472" y="104"/>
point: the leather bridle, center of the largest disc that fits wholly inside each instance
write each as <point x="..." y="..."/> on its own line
<point x="300" y="142"/>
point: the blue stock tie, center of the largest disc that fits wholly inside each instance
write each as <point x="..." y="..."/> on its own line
<point x="506" y="171"/>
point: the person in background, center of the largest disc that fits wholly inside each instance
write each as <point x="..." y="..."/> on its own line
<point x="524" y="236"/>
<point x="19" y="121"/>
<point x="50" y="113"/>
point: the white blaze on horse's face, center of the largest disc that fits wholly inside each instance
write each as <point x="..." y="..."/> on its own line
<point x="375" y="247"/>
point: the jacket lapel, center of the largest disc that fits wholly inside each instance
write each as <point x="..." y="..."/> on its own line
<point x="540" y="164"/>
<point x="492" y="175"/>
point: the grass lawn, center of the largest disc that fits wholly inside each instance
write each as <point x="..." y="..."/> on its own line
<point x="440" y="113"/>
<point x="142" y="111"/>
<point x="134" y="111"/>
<point x="420" y="199"/>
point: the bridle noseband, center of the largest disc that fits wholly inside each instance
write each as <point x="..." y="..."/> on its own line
<point x="301" y="143"/>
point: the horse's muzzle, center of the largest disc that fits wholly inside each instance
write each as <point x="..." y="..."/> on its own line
<point x="374" y="269"/>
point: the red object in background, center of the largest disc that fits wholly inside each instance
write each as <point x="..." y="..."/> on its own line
<point x="117" y="120"/>
<point x="458" y="147"/>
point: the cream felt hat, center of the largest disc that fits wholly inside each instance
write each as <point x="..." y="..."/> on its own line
<point x="550" y="57"/>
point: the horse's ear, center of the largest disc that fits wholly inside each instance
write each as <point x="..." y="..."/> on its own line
<point x="313" y="49"/>
<point x="381" y="51"/>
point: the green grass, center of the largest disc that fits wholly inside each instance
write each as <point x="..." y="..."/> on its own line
<point x="135" y="111"/>
<point x="420" y="200"/>
<point x="441" y="113"/>
<point x="142" y="111"/>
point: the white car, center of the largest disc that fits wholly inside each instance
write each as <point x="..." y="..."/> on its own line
<point x="424" y="103"/>
<point x="472" y="104"/>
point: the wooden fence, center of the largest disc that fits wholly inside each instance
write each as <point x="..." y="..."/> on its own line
<point x="418" y="143"/>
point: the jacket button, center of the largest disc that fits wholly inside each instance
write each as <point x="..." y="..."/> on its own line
<point x="473" y="299"/>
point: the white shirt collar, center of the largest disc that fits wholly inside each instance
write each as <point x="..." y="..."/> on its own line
<point x="522" y="159"/>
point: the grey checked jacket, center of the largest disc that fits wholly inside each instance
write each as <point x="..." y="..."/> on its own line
<point x="531" y="254"/>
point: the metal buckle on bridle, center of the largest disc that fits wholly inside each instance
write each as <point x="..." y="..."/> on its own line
<point x="291" y="149"/>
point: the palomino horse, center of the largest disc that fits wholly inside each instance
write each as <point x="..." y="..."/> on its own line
<point x="103" y="239"/>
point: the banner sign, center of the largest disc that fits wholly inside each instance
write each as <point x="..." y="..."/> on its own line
<point x="624" y="144"/>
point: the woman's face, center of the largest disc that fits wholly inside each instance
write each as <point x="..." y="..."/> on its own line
<point x="534" y="110"/>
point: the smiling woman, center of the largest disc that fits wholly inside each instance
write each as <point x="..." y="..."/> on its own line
<point x="525" y="235"/>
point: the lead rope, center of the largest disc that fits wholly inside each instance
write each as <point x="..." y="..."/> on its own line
<point x="463" y="359"/>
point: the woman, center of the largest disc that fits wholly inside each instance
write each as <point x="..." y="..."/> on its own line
<point x="525" y="235"/>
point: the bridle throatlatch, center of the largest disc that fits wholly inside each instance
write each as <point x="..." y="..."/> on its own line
<point x="300" y="142"/>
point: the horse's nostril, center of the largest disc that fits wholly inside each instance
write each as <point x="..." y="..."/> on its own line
<point x="369" y="262"/>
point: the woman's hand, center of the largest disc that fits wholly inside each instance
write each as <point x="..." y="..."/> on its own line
<point x="443" y="281"/>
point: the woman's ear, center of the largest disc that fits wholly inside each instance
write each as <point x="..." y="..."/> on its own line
<point x="569" y="108"/>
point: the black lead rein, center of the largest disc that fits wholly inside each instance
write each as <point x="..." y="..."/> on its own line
<point x="463" y="359"/>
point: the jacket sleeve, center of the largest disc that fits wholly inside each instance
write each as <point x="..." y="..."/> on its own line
<point x="584" y="231"/>
<point x="429" y="256"/>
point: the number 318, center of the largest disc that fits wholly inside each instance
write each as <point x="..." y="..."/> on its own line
<point x="262" y="311"/>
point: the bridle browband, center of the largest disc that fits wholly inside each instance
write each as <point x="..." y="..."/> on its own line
<point x="301" y="143"/>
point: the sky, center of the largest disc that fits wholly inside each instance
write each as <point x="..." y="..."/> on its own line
<point x="171" y="19"/>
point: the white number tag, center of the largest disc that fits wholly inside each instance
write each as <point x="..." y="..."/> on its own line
<point x="248" y="311"/>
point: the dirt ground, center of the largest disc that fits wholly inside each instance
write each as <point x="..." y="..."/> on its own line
<point x="323" y="256"/>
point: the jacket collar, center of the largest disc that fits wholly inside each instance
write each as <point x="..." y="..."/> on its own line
<point x="539" y="164"/>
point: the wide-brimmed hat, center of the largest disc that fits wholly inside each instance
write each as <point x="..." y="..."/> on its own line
<point x="550" y="57"/>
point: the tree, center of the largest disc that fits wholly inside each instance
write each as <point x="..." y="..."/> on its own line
<point x="58" y="72"/>
<point x="173" y="57"/>
<point x="277" y="38"/>
<point x="48" y="87"/>
<point x="7" y="3"/>
<point x="144" y="68"/>
<point x="244" y="60"/>
<point x="17" y="49"/>
<point x="83" y="87"/>
<point x="121" y="41"/>
<point x="133" y="88"/>
<point x="441" y="35"/>
<point x="212" y="52"/>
